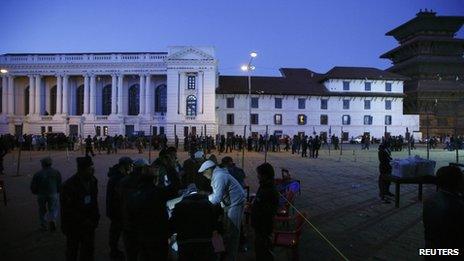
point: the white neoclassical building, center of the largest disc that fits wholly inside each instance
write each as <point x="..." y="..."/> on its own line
<point x="180" y="92"/>
<point x="345" y="101"/>
<point x="110" y="93"/>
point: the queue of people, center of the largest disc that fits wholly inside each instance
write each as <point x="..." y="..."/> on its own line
<point x="195" y="209"/>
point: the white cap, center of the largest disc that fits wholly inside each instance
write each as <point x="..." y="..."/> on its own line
<point x="199" y="154"/>
<point x="141" y="162"/>
<point x="206" y="165"/>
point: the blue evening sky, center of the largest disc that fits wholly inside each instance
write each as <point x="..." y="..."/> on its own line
<point x="307" y="33"/>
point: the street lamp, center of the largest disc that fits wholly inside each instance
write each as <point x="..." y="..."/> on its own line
<point x="248" y="68"/>
<point x="3" y="71"/>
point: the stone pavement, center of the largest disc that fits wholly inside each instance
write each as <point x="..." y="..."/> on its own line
<point x="339" y="192"/>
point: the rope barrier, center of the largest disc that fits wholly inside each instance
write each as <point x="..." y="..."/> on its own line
<point x="317" y="230"/>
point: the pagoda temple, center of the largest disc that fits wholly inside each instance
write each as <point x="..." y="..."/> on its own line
<point x="432" y="57"/>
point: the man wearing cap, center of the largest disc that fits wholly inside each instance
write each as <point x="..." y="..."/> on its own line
<point x="79" y="211"/>
<point x="113" y="203"/>
<point x="228" y="192"/>
<point x="46" y="184"/>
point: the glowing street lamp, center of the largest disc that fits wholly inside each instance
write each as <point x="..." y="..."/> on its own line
<point x="3" y="71"/>
<point x="248" y="68"/>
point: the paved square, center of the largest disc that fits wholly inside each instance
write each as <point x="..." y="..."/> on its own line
<point x="339" y="192"/>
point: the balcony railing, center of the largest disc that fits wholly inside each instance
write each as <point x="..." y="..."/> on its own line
<point x="82" y="58"/>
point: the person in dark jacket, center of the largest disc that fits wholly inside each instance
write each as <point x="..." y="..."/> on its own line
<point x="194" y="219"/>
<point x="444" y="211"/>
<point x="88" y="146"/>
<point x="147" y="214"/>
<point x="46" y="184"/>
<point x="385" y="170"/>
<point x="263" y="210"/>
<point x="79" y="211"/>
<point x="236" y="172"/>
<point x="113" y="203"/>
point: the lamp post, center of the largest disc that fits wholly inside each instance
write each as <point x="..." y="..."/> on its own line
<point x="248" y="68"/>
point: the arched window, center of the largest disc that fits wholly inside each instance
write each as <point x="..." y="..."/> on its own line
<point x="161" y="99"/>
<point x="53" y="100"/>
<point x="106" y="100"/>
<point x="134" y="100"/>
<point x="80" y="100"/>
<point x="26" y="100"/>
<point x="191" y="105"/>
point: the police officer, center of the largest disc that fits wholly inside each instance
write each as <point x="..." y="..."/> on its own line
<point x="79" y="211"/>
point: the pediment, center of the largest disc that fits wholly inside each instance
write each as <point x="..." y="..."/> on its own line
<point x="190" y="53"/>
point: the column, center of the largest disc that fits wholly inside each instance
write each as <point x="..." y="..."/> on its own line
<point x="148" y="95"/>
<point x="142" y="94"/>
<point x="65" y="94"/>
<point x="114" y="95"/>
<point x="59" y="94"/>
<point x="120" y="93"/>
<point x="93" y="94"/>
<point x="11" y="96"/>
<point x="38" y="93"/>
<point x="86" y="94"/>
<point x="4" y="95"/>
<point x="31" y="95"/>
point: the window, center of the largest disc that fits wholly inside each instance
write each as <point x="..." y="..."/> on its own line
<point x="106" y="100"/>
<point x="134" y="100"/>
<point x="105" y="130"/>
<point x="278" y="103"/>
<point x="346" y="120"/>
<point x="368" y="120"/>
<point x="161" y="103"/>
<point x="301" y="103"/>
<point x="388" y="87"/>
<point x="367" y="86"/>
<point x="53" y="100"/>
<point x="324" y="119"/>
<point x="191" y="82"/>
<point x="278" y="133"/>
<point x="254" y="102"/>
<point x="191" y="105"/>
<point x="388" y="119"/>
<point x="162" y="130"/>
<point x="324" y="104"/>
<point x="230" y="118"/>
<point x="388" y="105"/>
<point x="26" y="101"/>
<point x="346" y="104"/>
<point x="301" y="119"/>
<point x="346" y="85"/>
<point x="79" y="100"/>
<point x="367" y="104"/>
<point x="230" y="102"/>
<point x="254" y="118"/>
<point x="278" y="119"/>
<point x="98" y="130"/>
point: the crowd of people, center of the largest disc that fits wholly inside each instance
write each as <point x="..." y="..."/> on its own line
<point x="195" y="208"/>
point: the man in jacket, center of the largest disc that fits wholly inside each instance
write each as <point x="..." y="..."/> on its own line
<point x="263" y="210"/>
<point x="113" y="203"/>
<point x="46" y="184"/>
<point x="444" y="211"/>
<point x="194" y="219"/>
<point x="228" y="192"/>
<point x="79" y="211"/>
<point x="384" y="173"/>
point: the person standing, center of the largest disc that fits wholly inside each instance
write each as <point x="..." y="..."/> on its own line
<point x="228" y="192"/>
<point x="236" y="172"/>
<point x="88" y="146"/>
<point x="385" y="170"/>
<point x="444" y="211"/>
<point x="79" y="211"/>
<point x="46" y="184"/>
<point x="304" y="147"/>
<point x="113" y="204"/>
<point x="263" y="210"/>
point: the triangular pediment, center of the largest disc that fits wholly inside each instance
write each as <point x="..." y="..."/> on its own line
<point x="190" y="53"/>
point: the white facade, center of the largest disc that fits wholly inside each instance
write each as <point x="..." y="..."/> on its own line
<point x="313" y="110"/>
<point x="68" y="92"/>
<point x="122" y="93"/>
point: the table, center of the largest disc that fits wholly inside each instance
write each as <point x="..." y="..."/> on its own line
<point x="414" y="180"/>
